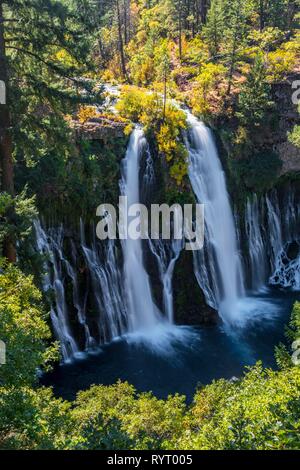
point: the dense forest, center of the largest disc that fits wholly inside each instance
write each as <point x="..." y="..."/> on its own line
<point x="78" y="77"/>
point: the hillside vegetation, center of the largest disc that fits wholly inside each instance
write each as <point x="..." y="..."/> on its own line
<point x="221" y="58"/>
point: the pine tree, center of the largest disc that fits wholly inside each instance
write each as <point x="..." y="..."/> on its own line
<point x="33" y="35"/>
<point x="163" y="70"/>
<point x="214" y="27"/>
<point x="235" y="14"/>
<point x="255" y="97"/>
<point x="276" y="13"/>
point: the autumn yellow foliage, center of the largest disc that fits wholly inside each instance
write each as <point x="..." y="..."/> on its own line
<point x="165" y="123"/>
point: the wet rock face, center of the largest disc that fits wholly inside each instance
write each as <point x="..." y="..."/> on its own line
<point x="98" y="129"/>
<point x="288" y="117"/>
<point x="190" y="307"/>
<point x="293" y="250"/>
<point x="290" y="156"/>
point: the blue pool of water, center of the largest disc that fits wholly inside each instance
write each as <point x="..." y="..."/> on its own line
<point x="172" y="360"/>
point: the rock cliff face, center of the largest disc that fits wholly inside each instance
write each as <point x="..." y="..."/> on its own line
<point x="290" y="156"/>
<point x="288" y="117"/>
<point x="98" y="129"/>
<point x="190" y="307"/>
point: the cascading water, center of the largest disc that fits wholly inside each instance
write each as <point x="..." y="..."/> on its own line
<point x="218" y="266"/>
<point x="149" y="175"/>
<point x="166" y="253"/>
<point x="79" y="302"/>
<point x="256" y="245"/>
<point x="107" y="291"/>
<point x="274" y="223"/>
<point x="107" y="288"/>
<point x="122" y="300"/>
<point x="287" y="268"/>
<point x="286" y="272"/>
<point x="271" y="258"/>
<point x="142" y="311"/>
<point x="53" y="279"/>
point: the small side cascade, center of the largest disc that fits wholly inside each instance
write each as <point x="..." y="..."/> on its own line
<point x="107" y="288"/>
<point x="149" y="174"/>
<point x="50" y="245"/>
<point x="166" y="254"/>
<point x="256" y="244"/>
<point x="287" y="269"/>
<point x="272" y="231"/>
<point x="274" y="225"/>
<point x="79" y="302"/>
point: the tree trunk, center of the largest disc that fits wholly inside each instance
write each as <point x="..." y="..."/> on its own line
<point x="232" y="62"/>
<point x="165" y="96"/>
<point x="121" y="44"/>
<point x="234" y="48"/>
<point x="7" y="170"/>
<point x="197" y="15"/>
<point x="292" y="10"/>
<point x="180" y="31"/>
<point x="261" y="15"/>
<point x="125" y="5"/>
<point x="129" y="21"/>
<point x="203" y="10"/>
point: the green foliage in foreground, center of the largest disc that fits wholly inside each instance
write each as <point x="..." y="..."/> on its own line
<point x="23" y="328"/>
<point x="259" y="411"/>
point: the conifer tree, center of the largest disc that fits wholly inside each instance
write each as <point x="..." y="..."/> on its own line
<point x="214" y="27"/>
<point x="43" y="52"/>
<point x="255" y="96"/>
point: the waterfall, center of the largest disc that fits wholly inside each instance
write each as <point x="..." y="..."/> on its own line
<point x="286" y="255"/>
<point x="273" y="251"/>
<point x="274" y="222"/>
<point x="142" y="312"/>
<point x="79" y="302"/>
<point x="107" y="291"/>
<point x="291" y="217"/>
<point x="287" y="269"/>
<point x="53" y="279"/>
<point x="111" y="301"/>
<point x="166" y="254"/>
<point x="218" y="266"/>
<point x="107" y="288"/>
<point x="149" y="175"/>
<point x="114" y="295"/>
<point x="256" y="244"/>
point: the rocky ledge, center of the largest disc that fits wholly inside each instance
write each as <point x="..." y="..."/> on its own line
<point x="98" y="129"/>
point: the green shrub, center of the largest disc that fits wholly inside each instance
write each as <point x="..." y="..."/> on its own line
<point x="258" y="172"/>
